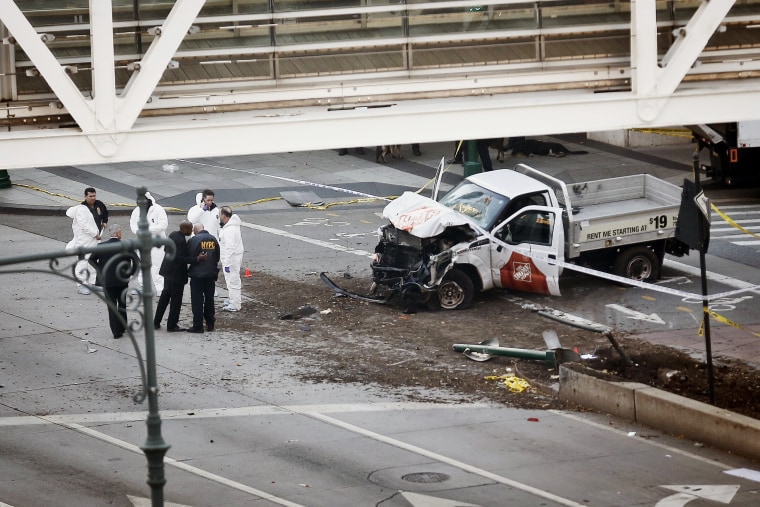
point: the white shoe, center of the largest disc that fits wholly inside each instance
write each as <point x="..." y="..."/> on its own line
<point x="226" y="302"/>
<point x="84" y="290"/>
<point x="230" y="308"/>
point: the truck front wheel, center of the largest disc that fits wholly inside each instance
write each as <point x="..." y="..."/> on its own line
<point x="456" y="291"/>
<point x="638" y="263"/>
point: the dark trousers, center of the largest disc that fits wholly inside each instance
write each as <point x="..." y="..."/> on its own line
<point x="202" y="301"/>
<point x="114" y="295"/>
<point x="485" y="155"/>
<point x="171" y="296"/>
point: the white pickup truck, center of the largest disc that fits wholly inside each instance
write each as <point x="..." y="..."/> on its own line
<point x="507" y="228"/>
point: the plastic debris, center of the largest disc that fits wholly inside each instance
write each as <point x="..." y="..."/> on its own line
<point x="169" y="168"/>
<point x="513" y="383"/>
<point x="326" y="312"/>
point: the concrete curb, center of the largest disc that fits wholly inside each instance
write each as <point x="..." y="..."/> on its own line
<point x="668" y="412"/>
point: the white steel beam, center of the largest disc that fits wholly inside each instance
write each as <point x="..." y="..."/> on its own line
<point x="80" y="108"/>
<point x="691" y="40"/>
<point x="653" y="83"/>
<point x="141" y="84"/>
<point x="103" y="72"/>
<point x="426" y="120"/>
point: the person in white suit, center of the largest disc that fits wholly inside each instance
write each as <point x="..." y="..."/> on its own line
<point x="231" y="257"/>
<point x="158" y="222"/>
<point x="205" y="212"/>
<point x="86" y="234"/>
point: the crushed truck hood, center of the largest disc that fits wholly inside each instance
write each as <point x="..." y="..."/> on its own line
<point x="423" y="217"/>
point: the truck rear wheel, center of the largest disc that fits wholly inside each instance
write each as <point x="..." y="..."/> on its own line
<point x="456" y="291"/>
<point x="638" y="263"/>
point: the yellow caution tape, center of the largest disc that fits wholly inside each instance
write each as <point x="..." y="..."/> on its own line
<point x="731" y="222"/>
<point x="721" y="318"/>
<point x="515" y="384"/>
<point x="667" y="132"/>
<point x="44" y="191"/>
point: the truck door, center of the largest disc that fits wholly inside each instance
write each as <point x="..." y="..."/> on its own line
<point x="524" y="249"/>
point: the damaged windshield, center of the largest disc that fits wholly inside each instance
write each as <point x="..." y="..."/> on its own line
<point x="475" y="202"/>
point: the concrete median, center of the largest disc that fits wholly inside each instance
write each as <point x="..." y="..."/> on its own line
<point x="664" y="411"/>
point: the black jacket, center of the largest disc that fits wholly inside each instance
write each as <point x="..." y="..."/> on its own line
<point x="108" y="271"/>
<point x="204" y="242"/>
<point x="99" y="213"/>
<point x="174" y="271"/>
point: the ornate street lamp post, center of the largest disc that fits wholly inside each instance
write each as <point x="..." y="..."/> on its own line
<point x="154" y="447"/>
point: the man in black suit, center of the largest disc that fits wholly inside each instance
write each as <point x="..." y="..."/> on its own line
<point x="115" y="280"/>
<point x="174" y="272"/>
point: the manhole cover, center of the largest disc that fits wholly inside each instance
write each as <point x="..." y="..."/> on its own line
<point x="426" y="477"/>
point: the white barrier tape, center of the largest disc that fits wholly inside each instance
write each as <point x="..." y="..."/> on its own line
<point x="290" y="180"/>
<point x="634" y="283"/>
<point x="527" y="253"/>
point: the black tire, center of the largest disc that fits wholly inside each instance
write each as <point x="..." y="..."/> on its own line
<point x="456" y="291"/>
<point x="638" y="263"/>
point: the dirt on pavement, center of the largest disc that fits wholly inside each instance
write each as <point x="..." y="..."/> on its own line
<point x="343" y="340"/>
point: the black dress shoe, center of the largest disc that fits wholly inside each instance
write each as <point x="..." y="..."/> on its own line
<point x="156" y="326"/>
<point x="116" y="336"/>
<point x="210" y="328"/>
<point x="195" y="330"/>
<point x="176" y="330"/>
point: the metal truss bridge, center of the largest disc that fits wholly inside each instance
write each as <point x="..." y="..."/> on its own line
<point x="120" y="80"/>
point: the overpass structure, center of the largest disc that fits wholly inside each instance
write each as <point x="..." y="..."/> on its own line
<point x="119" y="80"/>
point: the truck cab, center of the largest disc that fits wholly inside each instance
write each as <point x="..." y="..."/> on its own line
<point x="476" y="238"/>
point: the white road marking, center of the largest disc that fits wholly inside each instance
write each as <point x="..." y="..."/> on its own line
<point x="444" y="459"/>
<point x="633" y="314"/>
<point x="745" y="473"/>
<point x="687" y="493"/>
<point x="184" y="466"/>
<point x="418" y="500"/>
<point x="147" y="502"/>
<point x="317" y="242"/>
<point x="318" y="412"/>
<point x="715" y="277"/>
<point x="669" y="449"/>
<point x="363" y="253"/>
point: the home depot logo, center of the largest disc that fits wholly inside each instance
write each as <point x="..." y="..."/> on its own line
<point x="523" y="272"/>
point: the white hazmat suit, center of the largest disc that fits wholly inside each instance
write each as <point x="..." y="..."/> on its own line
<point x="158" y="222"/>
<point x="86" y="234"/>
<point x="231" y="257"/>
<point x="208" y="217"/>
